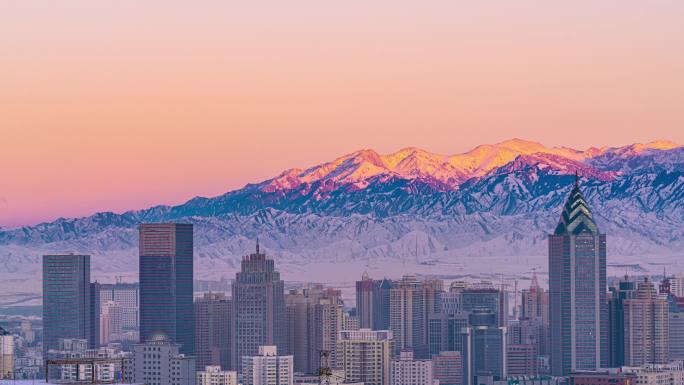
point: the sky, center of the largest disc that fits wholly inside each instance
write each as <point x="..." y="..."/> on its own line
<point x="118" y="105"/>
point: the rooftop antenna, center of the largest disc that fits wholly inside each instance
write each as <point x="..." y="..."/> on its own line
<point x="257" y="245"/>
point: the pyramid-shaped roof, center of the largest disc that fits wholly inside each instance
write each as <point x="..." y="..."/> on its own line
<point x="576" y="216"/>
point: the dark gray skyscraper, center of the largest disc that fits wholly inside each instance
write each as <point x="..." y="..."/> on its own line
<point x="166" y="270"/>
<point x="577" y="290"/>
<point x="258" y="307"/>
<point x="66" y="299"/>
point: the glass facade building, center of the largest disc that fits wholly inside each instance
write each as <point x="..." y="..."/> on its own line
<point x="66" y="299"/>
<point x="577" y="290"/>
<point x="166" y="273"/>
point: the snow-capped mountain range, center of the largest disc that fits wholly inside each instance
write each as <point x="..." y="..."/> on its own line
<point x="495" y="200"/>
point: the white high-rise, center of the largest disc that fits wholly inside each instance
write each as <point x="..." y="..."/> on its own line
<point x="408" y="371"/>
<point x="6" y="355"/>
<point x="213" y="375"/>
<point x="267" y="368"/>
<point x="364" y="355"/>
<point x="158" y="362"/>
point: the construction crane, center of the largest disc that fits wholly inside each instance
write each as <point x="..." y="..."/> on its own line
<point x="325" y="372"/>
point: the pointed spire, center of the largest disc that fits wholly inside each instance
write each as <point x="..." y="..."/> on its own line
<point x="576" y="178"/>
<point x="535" y="283"/>
<point x="257" y="245"/>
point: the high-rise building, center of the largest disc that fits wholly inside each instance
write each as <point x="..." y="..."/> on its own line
<point x="530" y="332"/>
<point x="445" y="332"/>
<point x="267" y="368"/>
<point x="484" y="347"/>
<point x="258" y="307"/>
<point x="535" y="302"/>
<point x="411" y="303"/>
<point x="676" y="335"/>
<point x="646" y="327"/>
<point x="158" y="361"/>
<point x="367" y="302"/>
<point x="314" y="318"/>
<point x="214" y="375"/>
<point x="447" y="368"/>
<point x="365" y="355"/>
<point x="577" y="290"/>
<point x="616" y="321"/>
<point x="488" y="297"/>
<point x="451" y="300"/>
<point x="405" y="370"/>
<point x="6" y="355"/>
<point x="382" y="316"/>
<point x="127" y="296"/>
<point x="94" y="311"/>
<point x="166" y="273"/>
<point x="110" y="322"/>
<point x="67" y="305"/>
<point x="213" y="320"/>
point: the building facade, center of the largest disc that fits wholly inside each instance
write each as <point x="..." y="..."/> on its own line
<point x="484" y="347"/>
<point x="67" y="305"/>
<point x="405" y="370"/>
<point x="127" y="296"/>
<point x="646" y="327"/>
<point x="158" y="361"/>
<point x="447" y="368"/>
<point x="214" y="375"/>
<point x="365" y="356"/>
<point x="616" y="320"/>
<point x="213" y="320"/>
<point x="577" y="290"/>
<point x="258" y="307"/>
<point x="166" y="279"/>
<point x="267" y="368"/>
<point x="6" y="355"/>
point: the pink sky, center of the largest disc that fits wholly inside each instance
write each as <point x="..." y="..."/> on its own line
<point x="117" y="105"/>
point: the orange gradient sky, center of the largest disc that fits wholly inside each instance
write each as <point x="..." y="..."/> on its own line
<point x="117" y="105"/>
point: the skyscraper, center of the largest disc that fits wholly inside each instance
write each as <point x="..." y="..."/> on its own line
<point x="577" y="290"/>
<point x="488" y="297"/>
<point x="258" y="307"/>
<point x="166" y="273"/>
<point x="213" y="320"/>
<point x="67" y="311"/>
<point x="616" y="321"/>
<point x="484" y="347"/>
<point x="646" y="327"/>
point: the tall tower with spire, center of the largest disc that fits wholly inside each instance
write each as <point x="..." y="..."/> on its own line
<point x="258" y="307"/>
<point x="577" y="290"/>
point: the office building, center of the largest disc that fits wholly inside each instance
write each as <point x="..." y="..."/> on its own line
<point x="213" y="320"/>
<point x="267" y="368"/>
<point x="258" y="307"/>
<point x="624" y="290"/>
<point x="383" y="314"/>
<point x="445" y="332"/>
<point x="364" y="355"/>
<point x="67" y="305"/>
<point x="166" y="271"/>
<point x="158" y="361"/>
<point x="405" y="370"/>
<point x="601" y="377"/>
<point x="484" y="347"/>
<point x="578" y="309"/>
<point x="485" y="296"/>
<point x="214" y="375"/>
<point x="676" y="335"/>
<point x="646" y="327"/>
<point x="110" y="322"/>
<point x="447" y="368"/>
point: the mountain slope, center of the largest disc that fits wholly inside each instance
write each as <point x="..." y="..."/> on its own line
<point x="496" y="200"/>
